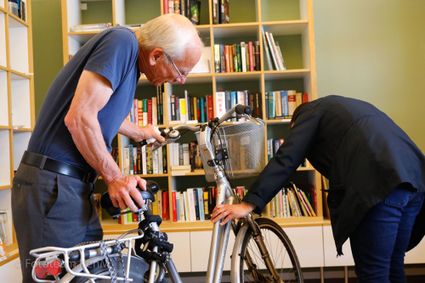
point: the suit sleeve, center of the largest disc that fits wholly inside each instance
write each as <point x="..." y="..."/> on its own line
<point x="286" y="160"/>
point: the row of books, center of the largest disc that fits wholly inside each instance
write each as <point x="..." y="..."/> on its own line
<point x="196" y="204"/>
<point x="191" y="9"/>
<point x="220" y="10"/>
<point x="274" y="144"/>
<point x="18" y="8"/>
<point x="273" y="52"/>
<point x="227" y="99"/>
<point x="147" y="111"/>
<point x="184" y="157"/>
<point x="191" y="108"/>
<point x="293" y="202"/>
<point x="187" y="205"/>
<point x="144" y="160"/>
<point x="242" y="57"/>
<point x="282" y="103"/>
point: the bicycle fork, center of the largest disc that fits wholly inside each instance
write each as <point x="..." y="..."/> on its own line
<point x="169" y="264"/>
<point x="256" y="234"/>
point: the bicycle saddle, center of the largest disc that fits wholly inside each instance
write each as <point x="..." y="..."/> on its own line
<point x="148" y="194"/>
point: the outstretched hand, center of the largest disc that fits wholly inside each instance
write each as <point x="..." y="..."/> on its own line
<point x="227" y="212"/>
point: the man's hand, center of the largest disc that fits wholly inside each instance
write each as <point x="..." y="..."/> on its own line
<point x="227" y="212"/>
<point x="150" y="132"/>
<point x="123" y="189"/>
<point x="139" y="134"/>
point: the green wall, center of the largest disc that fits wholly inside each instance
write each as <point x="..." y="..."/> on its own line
<point x="375" y="51"/>
<point x="47" y="45"/>
<point x="372" y="50"/>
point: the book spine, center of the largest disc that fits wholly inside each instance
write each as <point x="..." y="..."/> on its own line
<point x="174" y="206"/>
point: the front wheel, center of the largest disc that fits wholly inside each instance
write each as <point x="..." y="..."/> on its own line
<point x="249" y="264"/>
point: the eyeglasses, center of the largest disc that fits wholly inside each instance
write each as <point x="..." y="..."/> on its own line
<point x="180" y="77"/>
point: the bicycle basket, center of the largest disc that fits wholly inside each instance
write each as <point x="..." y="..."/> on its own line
<point x="244" y="141"/>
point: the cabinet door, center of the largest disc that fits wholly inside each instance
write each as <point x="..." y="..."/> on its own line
<point x="330" y="250"/>
<point x="11" y="272"/>
<point x="180" y="254"/>
<point x="200" y="249"/>
<point x="417" y="255"/>
<point x="308" y="244"/>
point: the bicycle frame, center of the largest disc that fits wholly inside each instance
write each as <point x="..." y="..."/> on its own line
<point x="220" y="235"/>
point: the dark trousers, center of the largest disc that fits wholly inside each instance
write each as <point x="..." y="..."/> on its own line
<point x="380" y="242"/>
<point x="50" y="209"/>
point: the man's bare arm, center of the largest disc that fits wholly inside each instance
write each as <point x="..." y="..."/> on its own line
<point x="92" y="93"/>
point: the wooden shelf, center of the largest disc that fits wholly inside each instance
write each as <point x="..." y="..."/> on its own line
<point x="12" y="252"/>
<point x="22" y="130"/>
<point x="152" y="175"/>
<point x="237" y="76"/>
<point x="111" y="226"/>
<point x="294" y="73"/>
<point x="236" y="30"/>
<point x="195" y="173"/>
<point x="286" y="27"/>
<point x="17" y="75"/>
<point x="17" y="100"/>
<point x="278" y="121"/>
<point x="16" y="21"/>
<point x="303" y="62"/>
<point x="5" y="187"/>
<point x="299" y="221"/>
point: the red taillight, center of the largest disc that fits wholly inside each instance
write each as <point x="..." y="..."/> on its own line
<point x="51" y="268"/>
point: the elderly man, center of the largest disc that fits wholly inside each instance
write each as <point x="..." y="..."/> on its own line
<point x="86" y="106"/>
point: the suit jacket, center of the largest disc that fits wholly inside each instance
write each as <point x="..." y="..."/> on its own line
<point x="362" y="152"/>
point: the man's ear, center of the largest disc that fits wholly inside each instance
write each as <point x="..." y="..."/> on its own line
<point x="154" y="55"/>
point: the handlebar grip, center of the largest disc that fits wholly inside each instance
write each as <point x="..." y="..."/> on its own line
<point x="106" y="202"/>
<point x="243" y="109"/>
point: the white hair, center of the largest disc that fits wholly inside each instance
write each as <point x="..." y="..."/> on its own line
<point x="173" y="33"/>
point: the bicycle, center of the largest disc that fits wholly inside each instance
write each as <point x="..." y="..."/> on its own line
<point x="262" y="251"/>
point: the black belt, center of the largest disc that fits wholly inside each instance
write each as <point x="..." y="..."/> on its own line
<point x="45" y="163"/>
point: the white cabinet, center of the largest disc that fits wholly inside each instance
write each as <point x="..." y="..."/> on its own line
<point x="181" y="253"/>
<point x="308" y="244"/>
<point x="200" y="249"/>
<point x="11" y="272"/>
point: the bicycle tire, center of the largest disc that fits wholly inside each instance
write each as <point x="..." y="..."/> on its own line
<point x="280" y="249"/>
<point x="138" y="268"/>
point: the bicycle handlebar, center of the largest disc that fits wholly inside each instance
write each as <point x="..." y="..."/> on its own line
<point x="238" y="109"/>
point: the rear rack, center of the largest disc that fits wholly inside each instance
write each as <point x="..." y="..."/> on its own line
<point x="47" y="254"/>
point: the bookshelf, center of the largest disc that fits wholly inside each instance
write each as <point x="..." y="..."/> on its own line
<point x="17" y="115"/>
<point x="290" y="21"/>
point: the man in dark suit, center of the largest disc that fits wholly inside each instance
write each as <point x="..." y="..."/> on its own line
<point x="377" y="181"/>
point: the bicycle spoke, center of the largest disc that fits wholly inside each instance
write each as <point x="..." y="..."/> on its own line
<point x="280" y="251"/>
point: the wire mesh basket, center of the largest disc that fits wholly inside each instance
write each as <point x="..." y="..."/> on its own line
<point x="244" y="143"/>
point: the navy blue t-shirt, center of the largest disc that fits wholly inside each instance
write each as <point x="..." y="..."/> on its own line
<point x="112" y="54"/>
